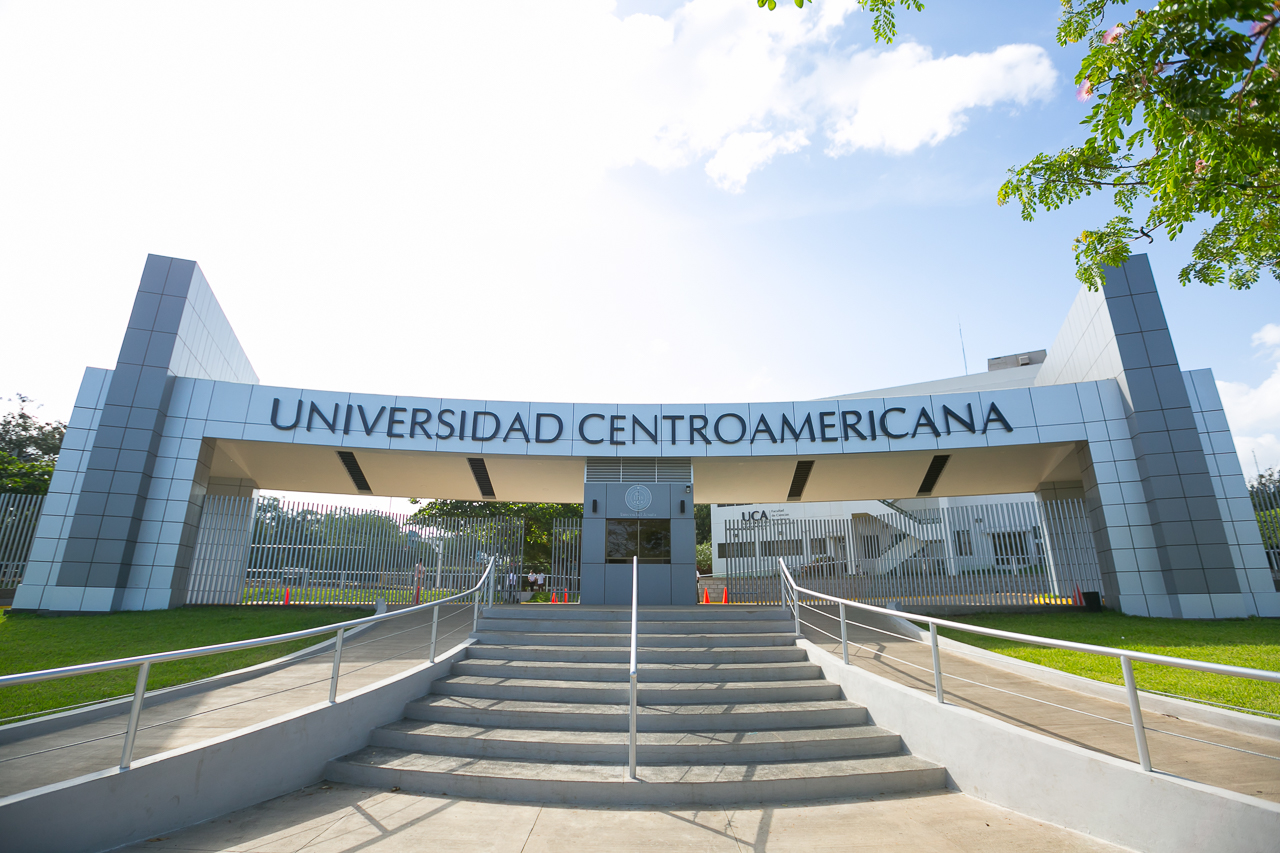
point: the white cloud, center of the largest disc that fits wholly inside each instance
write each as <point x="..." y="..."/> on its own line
<point x="349" y="179"/>
<point x="1254" y="413"/>
<point x="743" y="153"/>
<point x="902" y="99"/>
<point x="717" y="78"/>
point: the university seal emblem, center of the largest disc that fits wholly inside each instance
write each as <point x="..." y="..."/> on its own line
<point x="638" y="498"/>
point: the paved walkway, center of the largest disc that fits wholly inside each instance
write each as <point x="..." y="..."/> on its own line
<point x="394" y="646"/>
<point x="332" y="818"/>
<point x="1234" y="769"/>
<point x="376" y="653"/>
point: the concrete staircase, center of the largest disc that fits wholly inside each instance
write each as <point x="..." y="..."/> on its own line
<point x="730" y="711"/>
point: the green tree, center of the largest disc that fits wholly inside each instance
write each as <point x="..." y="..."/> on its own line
<point x="28" y="450"/>
<point x="702" y="520"/>
<point x="704" y="559"/>
<point x="1184" y="128"/>
<point x="539" y="518"/>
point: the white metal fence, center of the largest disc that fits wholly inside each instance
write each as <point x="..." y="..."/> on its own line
<point x="991" y="555"/>
<point x="19" y="515"/>
<point x="566" y="558"/>
<point x="1266" y="509"/>
<point x="269" y="551"/>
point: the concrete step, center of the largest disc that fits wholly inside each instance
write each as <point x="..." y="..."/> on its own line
<point x="581" y="716"/>
<point x="598" y="693"/>
<point x="643" y="629"/>
<point x="650" y="640"/>
<point x="748" y="612"/>
<point x="622" y="654"/>
<point x="652" y="747"/>
<point x="605" y="784"/>
<point x="649" y="672"/>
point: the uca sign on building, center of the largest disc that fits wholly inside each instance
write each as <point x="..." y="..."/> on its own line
<point x="1106" y="413"/>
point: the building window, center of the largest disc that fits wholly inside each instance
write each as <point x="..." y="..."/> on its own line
<point x="646" y="538"/>
<point x="818" y="545"/>
<point x="871" y="546"/>
<point x="1010" y="548"/>
<point x="736" y="550"/>
<point x="782" y="548"/>
<point x="964" y="543"/>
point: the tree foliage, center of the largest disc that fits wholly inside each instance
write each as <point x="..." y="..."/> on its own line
<point x="28" y="451"/>
<point x="539" y="518"/>
<point x="1184" y="129"/>
<point x="1184" y="126"/>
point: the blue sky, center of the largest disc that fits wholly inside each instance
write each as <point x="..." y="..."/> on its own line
<point x="580" y="200"/>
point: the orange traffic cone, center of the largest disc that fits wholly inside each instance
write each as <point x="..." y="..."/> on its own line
<point x="286" y="595"/>
<point x="706" y="595"/>
<point x="726" y="594"/>
<point x="553" y="597"/>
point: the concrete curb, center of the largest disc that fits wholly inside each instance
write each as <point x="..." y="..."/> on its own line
<point x="1057" y="782"/>
<point x="199" y="782"/>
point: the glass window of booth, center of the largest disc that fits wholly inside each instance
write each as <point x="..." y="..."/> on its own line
<point x="646" y="538"/>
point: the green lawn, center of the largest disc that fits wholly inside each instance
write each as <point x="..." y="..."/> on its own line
<point x="30" y="642"/>
<point x="1241" y="642"/>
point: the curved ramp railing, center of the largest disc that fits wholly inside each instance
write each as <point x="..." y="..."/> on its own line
<point x="482" y="591"/>
<point x="793" y="592"/>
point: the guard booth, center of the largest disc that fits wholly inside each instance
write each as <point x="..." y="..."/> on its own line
<point x="638" y="508"/>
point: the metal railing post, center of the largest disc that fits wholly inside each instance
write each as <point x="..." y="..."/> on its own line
<point x="635" y="599"/>
<point x="844" y="636"/>
<point x="135" y="714"/>
<point x="1135" y="711"/>
<point x="337" y="663"/>
<point x="795" y="610"/>
<point x="435" y="622"/>
<point x="937" y="662"/>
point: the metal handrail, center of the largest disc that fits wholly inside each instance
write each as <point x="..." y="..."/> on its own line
<point x="143" y="662"/>
<point x="635" y="599"/>
<point x="1126" y="657"/>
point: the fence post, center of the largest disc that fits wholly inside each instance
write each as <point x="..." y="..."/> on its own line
<point x="937" y="662"/>
<point x="337" y="663"/>
<point x="135" y="713"/>
<point x="844" y="635"/>
<point x="1135" y="711"/>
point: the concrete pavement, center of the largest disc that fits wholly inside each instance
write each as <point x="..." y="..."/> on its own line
<point x="331" y="818"/>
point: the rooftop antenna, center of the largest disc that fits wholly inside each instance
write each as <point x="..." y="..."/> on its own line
<point x="1256" y="467"/>
<point x="960" y="326"/>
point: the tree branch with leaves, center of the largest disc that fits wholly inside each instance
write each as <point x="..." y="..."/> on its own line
<point x="1184" y="130"/>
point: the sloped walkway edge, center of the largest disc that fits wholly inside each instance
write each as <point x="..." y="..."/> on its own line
<point x="201" y="781"/>
<point x="1057" y="782"/>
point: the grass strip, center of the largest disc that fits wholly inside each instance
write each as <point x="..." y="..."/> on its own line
<point x="30" y="642"/>
<point x="1249" y="642"/>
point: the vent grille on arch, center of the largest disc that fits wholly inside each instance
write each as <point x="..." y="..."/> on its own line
<point x="481" y="472"/>
<point x="640" y="469"/>
<point x="355" y="472"/>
